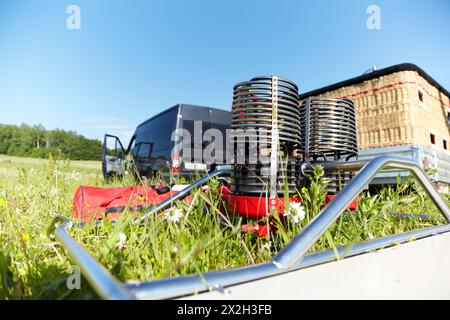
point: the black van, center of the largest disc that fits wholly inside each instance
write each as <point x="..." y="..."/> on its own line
<point x="151" y="146"/>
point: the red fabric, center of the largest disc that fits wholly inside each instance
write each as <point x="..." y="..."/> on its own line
<point x="352" y="206"/>
<point x="90" y="203"/>
<point x="253" y="207"/>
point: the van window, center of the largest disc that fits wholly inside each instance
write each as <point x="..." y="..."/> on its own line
<point x="162" y="156"/>
<point x="158" y="132"/>
<point x="144" y="151"/>
<point x="162" y="136"/>
<point x="146" y="136"/>
<point x="147" y="133"/>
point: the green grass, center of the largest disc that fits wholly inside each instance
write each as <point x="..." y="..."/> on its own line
<point x="33" y="191"/>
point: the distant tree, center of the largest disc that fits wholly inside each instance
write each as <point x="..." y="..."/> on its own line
<point x="36" y="141"/>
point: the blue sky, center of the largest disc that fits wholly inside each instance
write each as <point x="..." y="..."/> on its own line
<point x="133" y="59"/>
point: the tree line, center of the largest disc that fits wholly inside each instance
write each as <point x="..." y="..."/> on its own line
<point x="36" y="141"/>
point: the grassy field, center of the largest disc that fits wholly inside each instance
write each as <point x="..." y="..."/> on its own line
<point x="33" y="191"/>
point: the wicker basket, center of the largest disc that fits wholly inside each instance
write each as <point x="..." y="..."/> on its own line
<point x="389" y="111"/>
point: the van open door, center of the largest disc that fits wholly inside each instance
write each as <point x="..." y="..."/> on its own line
<point x="113" y="157"/>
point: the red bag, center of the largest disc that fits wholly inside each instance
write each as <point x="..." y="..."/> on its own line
<point x="93" y="203"/>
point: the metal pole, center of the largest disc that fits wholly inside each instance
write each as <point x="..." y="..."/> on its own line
<point x="307" y="125"/>
<point x="274" y="140"/>
<point x="296" y="249"/>
<point x="183" y="193"/>
<point x="346" y="166"/>
<point x="98" y="277"/>
<point x="428" y="186"/>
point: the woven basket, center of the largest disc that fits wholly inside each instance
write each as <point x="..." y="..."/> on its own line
<point x="389" y="112"/>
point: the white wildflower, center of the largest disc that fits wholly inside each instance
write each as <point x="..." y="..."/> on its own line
<point x="295" y="212"/>
<point x="265" y="247"/>
<point x="122" y="240"/>
<point x="54" y="192"/>
<point x="173" y="214"/>
<point x="73" y="176"/>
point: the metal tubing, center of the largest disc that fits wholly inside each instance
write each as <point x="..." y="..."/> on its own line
<point x="98" y="277"/>
<point x="183" y="193"/>
<point x="273" y="180"/>
<point x="296" y="249"/>
<point x="218" y="280"/>
<point x="427" y="185"/>
<point x="344" y="166"/>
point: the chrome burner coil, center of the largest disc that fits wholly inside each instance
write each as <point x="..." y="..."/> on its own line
<point x="253" y="108"/>
<point x="328" y="128"/>
<point x="266" y="124"/>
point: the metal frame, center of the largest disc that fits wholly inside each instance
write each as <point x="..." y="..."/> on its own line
<point x="290" y="258"/>
<point x="274" y="141"/>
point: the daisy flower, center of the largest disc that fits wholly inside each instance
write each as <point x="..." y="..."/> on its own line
<point x="173" y="214"/>
<point x="122" y="240"/>
<point x="295" y="212"/>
